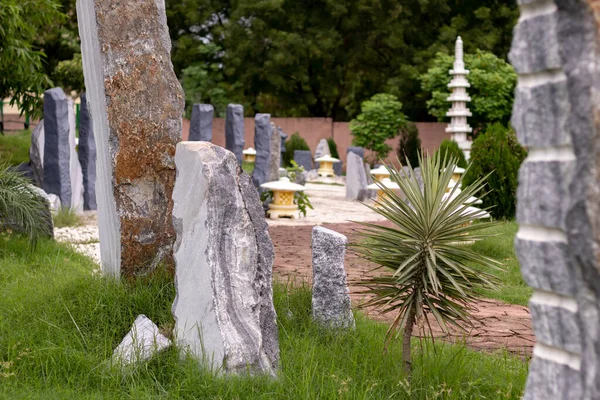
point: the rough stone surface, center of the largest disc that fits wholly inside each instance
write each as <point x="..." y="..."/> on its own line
<point x="36" y="154"/>
<point x="540" y="30"/>
<point x="330" y="294"/>
<point x="76" y="174"/>
<point x="283" y="138"/>
<point x="223" y="309"/>
<point x="356" y="178"/>
<point x="87" y="155"/>
<point x="550" y="380"/>
<point x="555" y="326"/>
<point x="141" y="343"/>
<point x="304" y="159"/>
<point x="275" y="153"/>
<point x="359" y="151"/>
<point x="337" y="168"/>
<point x="234" y="130"/>
<point x="136" y="103"/>
<point x="201" y="122"/>
<point x="262" y="144"/>
<point x="322" y="149"/>
<point x="57" y="150"/>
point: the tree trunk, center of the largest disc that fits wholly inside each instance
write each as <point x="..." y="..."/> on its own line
<point x="406" y="353"/>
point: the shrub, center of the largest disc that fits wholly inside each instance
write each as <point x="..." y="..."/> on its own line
<point x="450" y="149"/>
<point x="295" y="142"/>
<point x="333" y="148"/>
<point x="432" y="273"/>
<point x="380" y="119"/>
<point x="410" y="144"/>
<point x="64" y="217"/>
<point x="497" y="151"/>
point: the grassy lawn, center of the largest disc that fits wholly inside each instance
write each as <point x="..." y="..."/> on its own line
<point x="501" y="247"/>
<point x="14" y="147"/>
<point x="59" y="324"/>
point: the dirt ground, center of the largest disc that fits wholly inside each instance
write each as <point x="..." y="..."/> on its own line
<point x="497" y="325"/>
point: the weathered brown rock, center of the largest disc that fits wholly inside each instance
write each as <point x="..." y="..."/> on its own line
<point x="136" y="107"/>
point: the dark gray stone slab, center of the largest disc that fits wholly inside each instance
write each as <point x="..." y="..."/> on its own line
<point x="359" y="151"/>
<point x="234" y="130"/>
<point x="304" y="159"/>
<point x="201" y="123"/>
<point x="57" y="151"/>
<point x="338" y="168"/>
<point x="262" y="144"/>
<point x="87" y="156"/>
<point x="275" y="153"/>
<point x="331" y="305"/>
<point x="356" y="178"/>
<point x="283" y="138"/>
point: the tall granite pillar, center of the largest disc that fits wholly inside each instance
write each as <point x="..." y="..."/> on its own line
<point x="77" y="189"/>
<point x="275" y="153"/>
<point x="136" y="103"/>
<point x="555" y="116"/>
<point x="262" y="143"/>
<point x="234" y="130"/>
<point x="57" y="151"/>
<point x="87" y="155"/>
<point x="201" y="123"/>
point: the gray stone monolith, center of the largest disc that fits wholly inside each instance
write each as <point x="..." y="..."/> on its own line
<point x="77" y="189"/>
<point x="304" y="159"/>
<point x="330" y="294"/>
<point x="234" y="130"/>
<point x="201" y="122"/>
<point x="223" y="310"/>
<point x="359" y="151"/>
<point x="87" y="155"/>
<point x="57" y="149"/>
<point x="262" y="144"/>
<point x="36" y="154"/>
<point x="275" y="154"/>
<point x="356" y="178"/>
<point x="322" y="149"/>
<point x="136" y="104"/>
<point x="338" y="168"/>
<point x="283" y="138"/>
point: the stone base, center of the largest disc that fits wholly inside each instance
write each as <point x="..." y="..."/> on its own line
<point x="277" y="211"/>
<point x="326" y="174"/>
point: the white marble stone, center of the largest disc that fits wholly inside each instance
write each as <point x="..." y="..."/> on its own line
<point x="141" y="343"/>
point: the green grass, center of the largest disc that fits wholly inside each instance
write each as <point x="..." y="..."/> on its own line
<point x="14" y="147"/>
<point x="513" y="289"/>
<point x="65" y="217"/>
<point x="59" y="324"/>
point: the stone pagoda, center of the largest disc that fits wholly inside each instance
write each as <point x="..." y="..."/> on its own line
<point x="459" y="112"/>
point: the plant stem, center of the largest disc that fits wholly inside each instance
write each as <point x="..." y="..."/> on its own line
<point x="406" y="352"/>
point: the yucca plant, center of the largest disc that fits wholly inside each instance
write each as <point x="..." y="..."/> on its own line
<point x="433" y="273"/>
<point x="21" y="207"/>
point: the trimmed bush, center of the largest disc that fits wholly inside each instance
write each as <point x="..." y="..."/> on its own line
<point x="333" y="148"/>
<point x="410" y="144"/>
<point x="450" y="149"/>
<point x="295" y="142"/>
<point x="498" y="152"/>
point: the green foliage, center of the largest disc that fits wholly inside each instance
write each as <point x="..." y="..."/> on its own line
<point x="21" y="71"/>
<point x="380" y="119"/>
<point x="492" y="82"/>
<point x="432" y="273"/>
<point x="294" y="142"/>
<point x="410" y="144"/>
<point x="14" y="147"/>
<point x="450" y="149"/>
<point x="498" y="153"/>
<point x="60" y="323"/>
<point x="21" y="207"/>
<point x="333" y="148"/>
<point x="293" y="170"/>
<point x="69" y="74"/>
<point x="66" y="217"/>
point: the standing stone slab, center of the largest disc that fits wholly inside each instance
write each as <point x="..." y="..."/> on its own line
<point x="77" y="188"/>
<point x="262" y="143"/>
<point x="87" y="156"/>
<point x="201" y="122"/>
<point x="304" y="159"/>
<point x="57" y="150"/>
<point x="283" y="138"/>
<point x="275" y="160"/>
<point x="359" y="151"/>
<point x="136" y="103"/>
<point x="36" y="154"/>
<point x="322" y="150"/>
<point x="356" y="178"/>
<point x="223" y="309"/>
<point x="234" y="130"/>
<point x="330" y="294"/>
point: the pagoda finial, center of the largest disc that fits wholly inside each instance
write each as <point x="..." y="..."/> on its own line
<point x="458" y="55"/>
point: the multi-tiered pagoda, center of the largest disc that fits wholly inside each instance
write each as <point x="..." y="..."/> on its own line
<point x="459" y="112"/>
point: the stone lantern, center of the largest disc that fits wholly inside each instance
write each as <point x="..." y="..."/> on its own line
<point x="283" y="198"/>
<point x="380" y="173"/>
<point x="249" y="155"/>
<point x="326" y="165"/>
<point x="387" y="183"/>
<point x="457" y="173"/>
